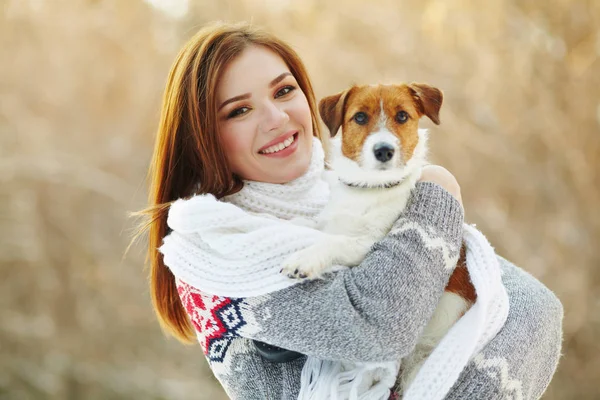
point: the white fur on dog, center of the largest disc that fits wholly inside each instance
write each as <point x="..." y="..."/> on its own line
<point x="355" y="218"/>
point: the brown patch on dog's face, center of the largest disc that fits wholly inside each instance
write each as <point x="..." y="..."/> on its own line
<point x="364" y="99"/>
<point x="363" y="110"/>
<point x="398" y="99"/>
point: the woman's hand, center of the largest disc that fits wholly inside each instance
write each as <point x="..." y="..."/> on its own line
<point x="443" y="177"/>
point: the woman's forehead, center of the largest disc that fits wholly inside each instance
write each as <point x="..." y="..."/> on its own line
<point x="255" y="68"/>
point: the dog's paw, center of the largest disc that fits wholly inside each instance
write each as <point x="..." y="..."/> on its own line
<point x="304" y="264"/>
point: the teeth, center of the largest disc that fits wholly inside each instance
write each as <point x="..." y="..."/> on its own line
<point x="279" y="146"/>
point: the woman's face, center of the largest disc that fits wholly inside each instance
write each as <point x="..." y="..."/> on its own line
<point x="264" y="118"/>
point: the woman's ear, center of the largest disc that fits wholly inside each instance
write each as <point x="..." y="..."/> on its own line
<point x="428" y="100"/>
<point x="331" y="109"/>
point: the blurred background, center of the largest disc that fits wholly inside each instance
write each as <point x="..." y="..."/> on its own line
<point x="80" y="89"/>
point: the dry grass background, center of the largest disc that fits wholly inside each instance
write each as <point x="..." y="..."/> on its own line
<point x="80" y="87"/>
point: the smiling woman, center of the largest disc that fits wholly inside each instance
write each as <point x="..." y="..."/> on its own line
<point x="237" y="156"/>
<point x="266" y="131"/>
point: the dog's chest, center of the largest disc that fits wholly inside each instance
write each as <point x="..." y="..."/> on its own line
<point x="360" y="212"/>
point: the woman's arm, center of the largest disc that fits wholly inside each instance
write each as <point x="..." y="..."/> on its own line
<point x="520" y="361"/>
<point x="376" y="311"/>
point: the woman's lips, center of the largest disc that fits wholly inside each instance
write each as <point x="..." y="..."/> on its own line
<point x="278" y="140"/>
<point x="285" y="152"/>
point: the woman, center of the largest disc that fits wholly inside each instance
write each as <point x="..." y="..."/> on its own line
<point x="232" y="93"/>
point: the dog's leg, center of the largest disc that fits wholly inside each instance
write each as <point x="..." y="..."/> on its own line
<point x="449" y="310"/>
<point x="455" y="302"/>
<point x="313" y="261"/>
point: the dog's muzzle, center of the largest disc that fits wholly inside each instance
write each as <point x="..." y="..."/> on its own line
<point x="383" y="151"/>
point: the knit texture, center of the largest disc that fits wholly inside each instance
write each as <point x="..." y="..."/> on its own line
<point x="370" y="313"/>
<point x="518" y="363"/>
<point x="236" y="247"/>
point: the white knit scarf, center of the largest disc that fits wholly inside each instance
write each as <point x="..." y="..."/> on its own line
<point x="235" y="248"/>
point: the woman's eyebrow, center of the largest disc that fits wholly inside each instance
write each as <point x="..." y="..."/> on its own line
<point x="248" y="95"/>
<point x="279" y="79"/>
<point x="236" y="98"/>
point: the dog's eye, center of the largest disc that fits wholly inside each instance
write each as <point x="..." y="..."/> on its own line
<point x="361" y="118"/>
<point x="402" y="117"/>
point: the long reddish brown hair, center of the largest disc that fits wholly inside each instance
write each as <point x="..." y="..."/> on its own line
<point x="188" y="157"/>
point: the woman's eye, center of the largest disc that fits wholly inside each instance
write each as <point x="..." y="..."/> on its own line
<point x="237" y="112"/>
<point x="402" y="117"/>
<point x="361" y="118"/>
<point x="284" y="90"/>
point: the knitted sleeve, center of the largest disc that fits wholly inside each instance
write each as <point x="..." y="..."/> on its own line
<point x="371" y="312"/>
<point x="520" y="361"/>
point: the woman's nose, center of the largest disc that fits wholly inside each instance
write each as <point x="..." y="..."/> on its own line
<point x="274" y="117"/>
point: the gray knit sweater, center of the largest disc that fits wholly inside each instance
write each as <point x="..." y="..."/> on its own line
<point x="375" y="312"/>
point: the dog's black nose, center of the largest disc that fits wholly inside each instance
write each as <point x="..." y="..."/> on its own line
<point x="383" y="151"/>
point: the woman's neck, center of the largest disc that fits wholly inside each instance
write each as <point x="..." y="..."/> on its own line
<point x="303" y="197"/>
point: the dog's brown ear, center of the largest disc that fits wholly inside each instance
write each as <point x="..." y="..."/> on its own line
<point x="331" y="109"/>
<point x="428" y="100"/>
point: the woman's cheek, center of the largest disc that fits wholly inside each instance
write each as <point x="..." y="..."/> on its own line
<point x="233" y="135"/>
<point x="241" y="145"/>
<point x="307" y="115"/>
<point x="301" y="111"/>
<point x="227" y="139"/>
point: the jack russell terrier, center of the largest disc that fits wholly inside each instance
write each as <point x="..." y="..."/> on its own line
<point x="377" y="160"/>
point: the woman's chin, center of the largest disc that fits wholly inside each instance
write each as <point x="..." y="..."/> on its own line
<point x="290" y="175"/>
<point x="284" y="169"/>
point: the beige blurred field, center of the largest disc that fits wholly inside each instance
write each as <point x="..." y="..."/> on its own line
<point x="80" y="87"/>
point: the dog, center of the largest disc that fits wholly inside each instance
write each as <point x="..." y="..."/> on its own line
<point x="377" y="160"/>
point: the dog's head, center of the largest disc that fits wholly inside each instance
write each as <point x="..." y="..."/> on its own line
<point x="380" y="140"/>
